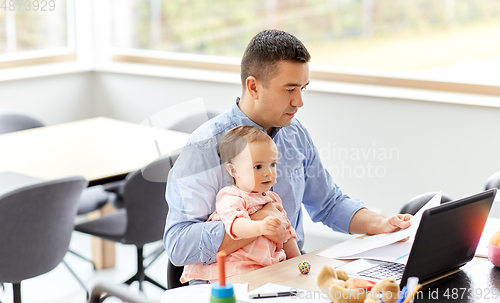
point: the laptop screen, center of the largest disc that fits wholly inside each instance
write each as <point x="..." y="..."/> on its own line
<point x="447" y="236"/>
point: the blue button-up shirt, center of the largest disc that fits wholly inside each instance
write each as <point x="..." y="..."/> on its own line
<point x="198" y="175"/>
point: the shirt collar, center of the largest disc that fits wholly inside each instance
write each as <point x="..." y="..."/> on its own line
<point x="239" y="118"/>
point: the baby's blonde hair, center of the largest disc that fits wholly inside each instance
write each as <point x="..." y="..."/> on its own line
<point x="236" y="139"/>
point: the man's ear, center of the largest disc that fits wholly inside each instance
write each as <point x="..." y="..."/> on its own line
<point x="231" y="170"/>
<point x="252" y="86"/>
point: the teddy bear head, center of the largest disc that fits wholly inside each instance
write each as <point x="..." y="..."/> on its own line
<point x="339" y="288"/>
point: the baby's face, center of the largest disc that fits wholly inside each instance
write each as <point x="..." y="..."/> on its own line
<point x="255" y="167"/>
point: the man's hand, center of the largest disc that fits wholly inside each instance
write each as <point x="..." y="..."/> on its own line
<point x="273" y="210"/>
<point x="278" y="237"/>
<point x="269" y="226"/>
<point x="395" y="223"/>
<point x="368" y="222"/>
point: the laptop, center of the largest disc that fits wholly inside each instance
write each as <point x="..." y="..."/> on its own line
<point x="446" y="239"/>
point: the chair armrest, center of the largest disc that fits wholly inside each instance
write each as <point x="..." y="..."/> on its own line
<point x="115" y="187"/>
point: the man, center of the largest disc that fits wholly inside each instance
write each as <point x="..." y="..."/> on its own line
<point x="274" y="71"/>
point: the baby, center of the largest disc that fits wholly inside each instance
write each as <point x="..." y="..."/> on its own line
<point x="249" y="155"/>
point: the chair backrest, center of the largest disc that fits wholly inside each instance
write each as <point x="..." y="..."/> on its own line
<point x="174" y="274"/>
<point x="16" y="122"/>
<point x="144" y="200"/>
<point x="413" y="205"/>
<point x="36" y="223"/>
<point x="192" y="122"/>
<point x="493" y="181"/>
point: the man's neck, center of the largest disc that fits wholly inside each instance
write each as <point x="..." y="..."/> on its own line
<point x="246" y="105"/>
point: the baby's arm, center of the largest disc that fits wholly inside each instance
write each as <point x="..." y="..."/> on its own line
<point x="246" y="228"/>
<point x="291" y="249"/>
<point x="238" y="224"/>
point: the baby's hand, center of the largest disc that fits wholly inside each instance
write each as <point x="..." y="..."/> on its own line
<point x="275" y="209"/>
<point x="269" y="226"/>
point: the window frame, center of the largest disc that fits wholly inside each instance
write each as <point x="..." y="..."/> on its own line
<point x="316" y="72"/>
<point x="92" y="32"/>
<point x="47" y="56"/>
<point x="37" y="57"/>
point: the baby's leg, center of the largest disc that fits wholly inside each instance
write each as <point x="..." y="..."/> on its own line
<point x="291" y="249"/>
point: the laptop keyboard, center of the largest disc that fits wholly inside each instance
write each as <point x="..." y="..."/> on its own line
<point x="385" y="270"/>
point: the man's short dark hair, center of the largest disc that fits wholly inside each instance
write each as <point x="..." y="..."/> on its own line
<point x="266" y="49"/>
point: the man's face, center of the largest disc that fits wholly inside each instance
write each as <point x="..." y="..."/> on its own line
<point x="279" y="100"/>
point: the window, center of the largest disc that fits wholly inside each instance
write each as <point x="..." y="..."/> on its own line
<point x="435" y="40"/>
<point x="35" y="31"/>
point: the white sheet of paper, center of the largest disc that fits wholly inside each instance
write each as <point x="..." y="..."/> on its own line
<point x="302" y="295"/>
<point x="396" y="252"/>
<point x="200" y="294"/>
<point x="491" y="227"/>
<point x="355" y="246"/>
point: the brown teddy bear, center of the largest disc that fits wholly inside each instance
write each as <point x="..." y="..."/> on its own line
<point x="342" y="289"/>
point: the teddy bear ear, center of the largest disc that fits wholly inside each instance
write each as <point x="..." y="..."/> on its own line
<point x="386" y="285"/>
<point x="388" y="288"/>
<point x="342" y="275"/>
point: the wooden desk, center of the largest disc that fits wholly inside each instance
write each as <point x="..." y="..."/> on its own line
<point x="287" y="273"/>
<point x="472" y="283"/>
<point x="99" y="149"/>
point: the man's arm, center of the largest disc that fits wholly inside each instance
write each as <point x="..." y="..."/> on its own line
<point x="325" y="202"/>
<point x="192" y="186"/>
<point x="229" y="245"/>
<point x="365" y="221"/>
<point x="191" y="242"/>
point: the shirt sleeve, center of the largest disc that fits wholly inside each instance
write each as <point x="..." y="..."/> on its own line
<point x="323" y="199"/>
<point x="192" y="186"/>
<point x="229" y="208"/>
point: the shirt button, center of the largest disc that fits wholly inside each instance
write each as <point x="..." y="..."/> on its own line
<point x="263" y="193"/>
<point x="238" y="209"/>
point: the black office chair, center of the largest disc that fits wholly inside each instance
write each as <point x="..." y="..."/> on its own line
<point x="174" y="274"/>
<point x="415" y="204"/>
<point x="93" y="198"/>
<point x="36" y="223"/>
<point x="493" y="181"/>
<point x="142" y="220"/>
<point x="16" y="122"/>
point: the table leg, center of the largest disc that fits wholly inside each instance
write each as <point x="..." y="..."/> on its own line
<point x="103" y="251"/>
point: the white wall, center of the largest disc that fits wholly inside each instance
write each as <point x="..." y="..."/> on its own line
<point x="412" y="146"/>
<point x="53" y="99"/>
<point x="134" y="98"/>
<point x="380" y="150"/>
